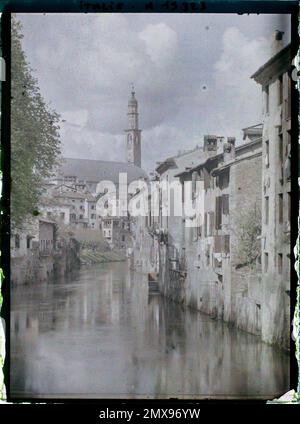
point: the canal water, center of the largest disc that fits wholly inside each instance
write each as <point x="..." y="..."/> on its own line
<point x="99" y="333"/>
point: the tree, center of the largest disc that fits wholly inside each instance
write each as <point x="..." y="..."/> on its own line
<point x="247" y="231"/>
<point x="35" y="141"/>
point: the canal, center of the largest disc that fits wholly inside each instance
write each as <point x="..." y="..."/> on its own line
<point x="98" y="333"/>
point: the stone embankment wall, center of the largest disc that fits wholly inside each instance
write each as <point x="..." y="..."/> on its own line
<point x="35" y="267"/>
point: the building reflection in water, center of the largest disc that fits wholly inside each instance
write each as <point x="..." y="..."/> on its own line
<point x="99" y="333"/>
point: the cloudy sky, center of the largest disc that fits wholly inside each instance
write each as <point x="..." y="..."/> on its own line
<point x="191" y="75"/>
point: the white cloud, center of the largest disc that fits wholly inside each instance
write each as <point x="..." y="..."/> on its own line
<point x="76" y="117"/>
<point x="189" y="80"/>
<point x="161" y="43"/>
<point x="239" y="59"/>
<point x="80" y="141"/>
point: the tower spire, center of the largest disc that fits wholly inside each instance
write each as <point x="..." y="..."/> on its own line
<point x="132" y="89"/>
<point x="133" y="133"/>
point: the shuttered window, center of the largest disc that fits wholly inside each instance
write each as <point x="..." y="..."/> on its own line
<point x="218" y="212"/>
<point x="225" y="204"/>
<point x="218" y="244"/>
<point x="206" y="179"/>
<point x="211" y="223"/>
<point x="222" y="244"/>
<point x="280" y="208"/>
<point x="224" y="179"/>
<point x="226" y="244"/>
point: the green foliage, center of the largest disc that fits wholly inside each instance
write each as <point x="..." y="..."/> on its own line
<point x="35" y="142"/>
<point x="247" y="229"/>
<point x="89" y="238"/>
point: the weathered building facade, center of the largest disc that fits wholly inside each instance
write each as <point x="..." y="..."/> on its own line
<point x="211" y="246"/>
<point x="230" y="256"/>
<point x="276" y="83"/>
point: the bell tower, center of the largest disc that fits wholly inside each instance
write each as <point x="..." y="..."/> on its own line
<point x="133" y="134"/>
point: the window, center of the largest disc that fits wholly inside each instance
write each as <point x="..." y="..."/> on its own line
<point x="217" y="244"/>
<point x="62" y="215"/>
<point x="266" y="90"/>
<point x="226" y="246"/>
<point x="218" y="213"/>
<point x="288" y="144"/>
<point x="123" y="238"/>
<point x="49" y="214"/>
<point x="194" y="184"/>
<point x="107" y="224"/>
<point x="211" y="216"/>
<point x="207" y="179"/>
<point x="80" y="216"/>
<point x="81" y="208"/>
<point x="289" y="206"/>
<point x="288" y="100"/>
<point x="28" y="239"/>
<point x="266" y="258"/>
<point x="280" y="148"/>
<point x="224" y="179"/>
<point x="73" y="216"/>
<point x="280" y="90"/>
<point x="205" y="224"/>
<point x="267" y="161"/>
<point x="280" y="208"/>
<point x="279" y="260"/>
<point x="208" y="255"/>
<point x="93" y="216"/>
<point x="93" y="207"/>
<point x="222" y="244"/>
<point x="225" y="204"/>
<point x="280" y="156"/>
<point x="17" y="241"/>
<point x="267" y="210"/>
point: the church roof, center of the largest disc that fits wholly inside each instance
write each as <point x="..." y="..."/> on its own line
<point x="92" y="170"/>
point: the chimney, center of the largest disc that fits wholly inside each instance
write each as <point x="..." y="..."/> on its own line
<point x="220" y="141"/>
<point x="277" y="42"/>
<point x="210" y="144"/>
<point x="229" y="149"/>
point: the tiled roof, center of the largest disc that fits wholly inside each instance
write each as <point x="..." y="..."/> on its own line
<point x="99" y="170"/>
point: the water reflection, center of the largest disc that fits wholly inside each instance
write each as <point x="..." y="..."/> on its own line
<point x="98" y="333"/>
